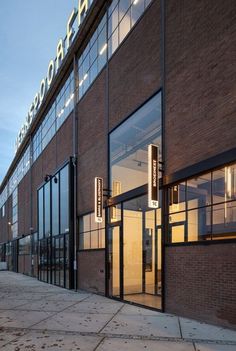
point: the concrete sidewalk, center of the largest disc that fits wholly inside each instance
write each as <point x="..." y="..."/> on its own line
<point x="38" y="316"/>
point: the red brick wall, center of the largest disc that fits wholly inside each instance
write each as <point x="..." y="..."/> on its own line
<point x="64" y="141"/>
<point x="37" y="180"/>
<point x="24" y="205"/>
<point x="92" y="148"/>
<point x="201" y="282"/>
<point x="5" y="229"/>
<point x="200" y="80"/>
<point x="91" y="273"/>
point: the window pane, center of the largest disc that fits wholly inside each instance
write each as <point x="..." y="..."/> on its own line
<point x="101" y="238"/>
<point x="94" y="225"/>
<point x="47" y="209"/>
<point x="123" y="7"/>
<point x="218" y="186"/>
<point x="129" y="144"/>
<point x="113" y="43"/>
<point x="40" y="213"/>
<point x="177" y="226"/>
<point x="93" y="52"/>
<point x="125" y="26"/>
<point x="55" y="205"/>
<point x="84" y="241"/>
<point x="91" y="234"/>
<point x="84" y="223"/>
<point x="199" y="191"/>
<point x="136" y="10"/>
<point x="112" y="6"/>
<point x="94" y="239"/>
<point x="199" y="224"/>
<point x="224" y="184"/>
<point x="177" y="195"/>
<point x="224" y="220"/>
<point x="64" y="200"/>
<point x="94" y="71"/>
<point x="113" y="21"/>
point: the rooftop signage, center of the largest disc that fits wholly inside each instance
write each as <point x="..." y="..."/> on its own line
<point x="62" y="48"/>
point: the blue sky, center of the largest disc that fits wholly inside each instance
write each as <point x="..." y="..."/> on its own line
<point x="29" y="33"/>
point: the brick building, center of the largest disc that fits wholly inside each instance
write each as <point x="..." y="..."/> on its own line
<point x="131" y="73"/>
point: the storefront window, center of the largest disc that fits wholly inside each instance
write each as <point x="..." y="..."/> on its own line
<point x="122" y="16"/>
<point x="64" y="200"/>
<point x="40" y="214"/>
<point x="55" y="205"/>
<point x="91" y="234"/>
<point x="207" y="210"/>
<point x="128" y="146"/>
<point x="199" y="191"/>
<point x="93" y="58"/>
<point x="47" y="205"/>
<point x="14" y="226"/>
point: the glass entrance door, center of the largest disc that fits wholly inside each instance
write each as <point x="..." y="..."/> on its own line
<point x="114" y="261"/>
<point x="134" y="254"/>
<point x="142" y="253"/>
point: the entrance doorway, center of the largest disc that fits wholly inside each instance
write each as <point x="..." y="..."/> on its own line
<point x="134" y="254"/>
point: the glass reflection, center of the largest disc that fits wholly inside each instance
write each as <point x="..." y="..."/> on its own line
<point x="128" y="146"/>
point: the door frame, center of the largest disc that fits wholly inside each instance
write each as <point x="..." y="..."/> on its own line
<point x="119" y="200"/>
<point x="109" y="226"/>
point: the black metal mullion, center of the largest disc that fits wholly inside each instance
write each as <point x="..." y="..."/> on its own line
<point x="121" y="229"/>
<point x="186" y="213"/>
<point x="107" y="268"/>
<point x="50" y="236"/>
<point x="156" y="254"/>
<point x="72" y="233"/>
<point x="143" y="254"/>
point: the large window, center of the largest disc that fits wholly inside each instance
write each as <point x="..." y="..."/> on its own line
<point x="53" y="205"/>
<point x="204" y="207"/>
<point x="49" y="126"/>
<point x="14" y="224"/>
<point x="60" y="109"/>
<point x="20" y="171"/>
<point x="128" y="146"/>
<point x="53" y="228"/>
<point x="64" y="200"/>
<point x="122" y="16"/>
<point x="91" y="234"/>
<point x="40" y="213"/>
<point x="47" y="205"/>
<point x="93" y="58"/>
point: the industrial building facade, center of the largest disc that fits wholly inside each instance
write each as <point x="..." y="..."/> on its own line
<point x="136" y="73"/>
